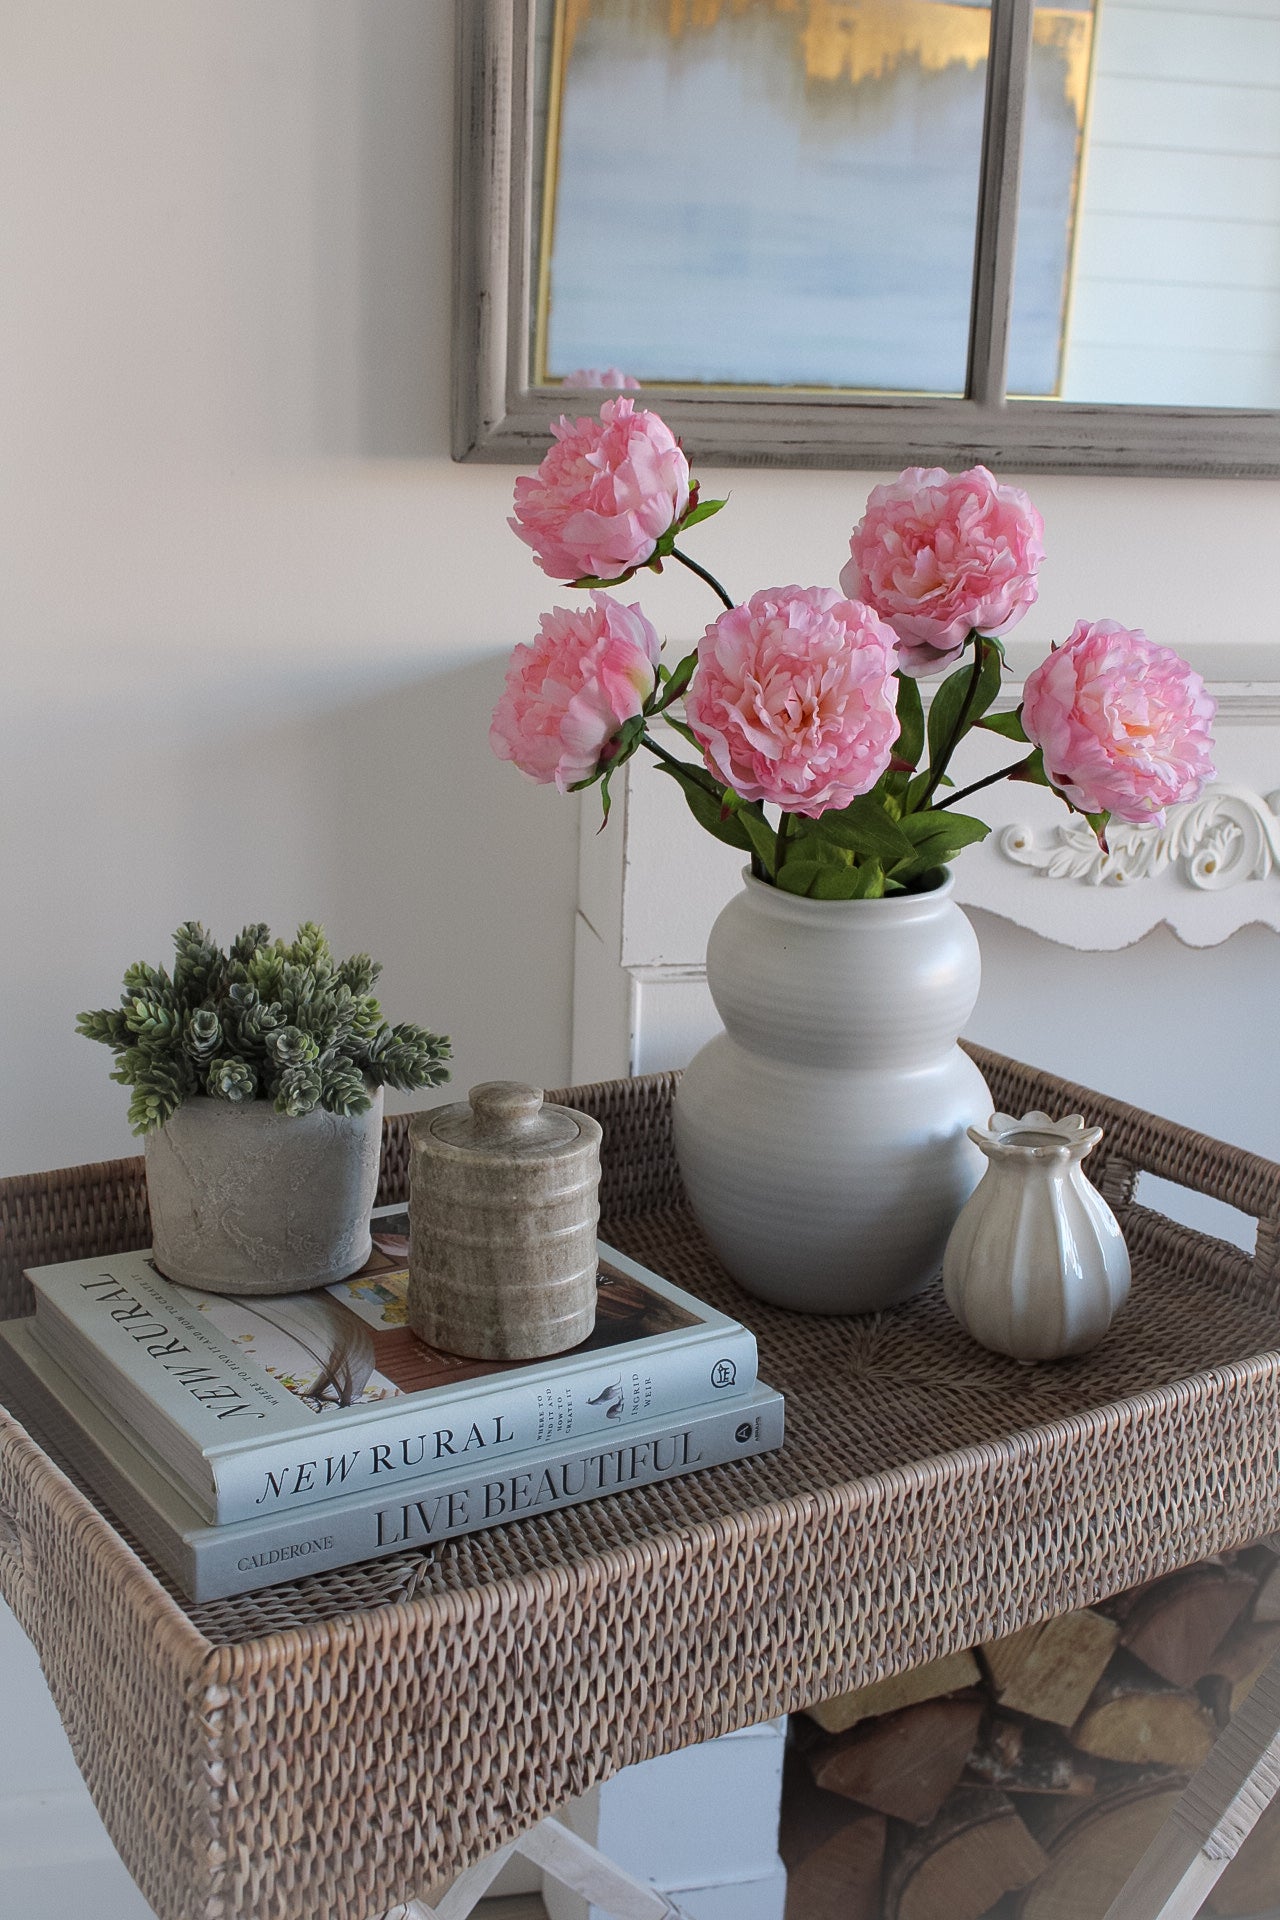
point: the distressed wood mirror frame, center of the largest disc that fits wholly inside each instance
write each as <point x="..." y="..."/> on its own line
<point x="500" y="414"/>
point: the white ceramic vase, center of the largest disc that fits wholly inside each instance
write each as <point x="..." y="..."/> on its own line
<point x="1037" y="1266"/>
<point x="250" y="1201"/>
<point x="822" y="1137"/>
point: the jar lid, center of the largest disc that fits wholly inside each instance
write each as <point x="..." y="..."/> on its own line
<point x="506" y="1117"/>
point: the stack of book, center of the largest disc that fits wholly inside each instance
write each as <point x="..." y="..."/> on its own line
<point x="248" y="1441"/>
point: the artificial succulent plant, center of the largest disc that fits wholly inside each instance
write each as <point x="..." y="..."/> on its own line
<point x="266" y="1021"/>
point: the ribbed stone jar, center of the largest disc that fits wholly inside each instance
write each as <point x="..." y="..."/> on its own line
<point x="822" y="1137"/>
<point x="503" y="1206"/>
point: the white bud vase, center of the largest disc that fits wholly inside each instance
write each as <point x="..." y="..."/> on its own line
<point x="1037" y="1266"/>
<point x="822" y="1136"/>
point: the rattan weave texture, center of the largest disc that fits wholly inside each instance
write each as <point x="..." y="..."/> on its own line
<point x="335" y="1746"/>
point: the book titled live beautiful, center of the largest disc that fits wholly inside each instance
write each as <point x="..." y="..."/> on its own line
<point x="210" y="1563"/>
<point x="256" y="1406"/>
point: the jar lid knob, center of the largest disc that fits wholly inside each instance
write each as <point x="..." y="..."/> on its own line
<point x="504" y="1109"/>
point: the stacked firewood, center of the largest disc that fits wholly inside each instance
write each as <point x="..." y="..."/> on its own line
<point x="1025" y="1780"/>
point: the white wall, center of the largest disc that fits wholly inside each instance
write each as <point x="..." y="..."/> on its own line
<point x="252" y="619"/>
<point x="252" y="614"/>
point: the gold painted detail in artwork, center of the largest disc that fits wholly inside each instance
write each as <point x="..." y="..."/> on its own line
<point x="865" y="40"/>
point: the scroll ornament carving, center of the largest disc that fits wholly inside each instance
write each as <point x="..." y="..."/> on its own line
<point x="1229" y="835"/>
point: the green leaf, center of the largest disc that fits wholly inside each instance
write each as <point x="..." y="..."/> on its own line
<point x="865" y="829"/>
<point x="909" y="744"/>
<point x="835" y="876"/>
<point x="951" y="713"/>
<point x="594" y="579"/>
<point x="703" y="511"/>
<point x="870" y="881"/>
<point x="820" y="870"/>
<point x="676" y="681"/>
<point x="707" y="804"/>
<point x="1007" y="724"/>
<point x="939" y="837"/>
<point x="819" y="873"/>
<point x="605" y="801"/>
<point x="624" y="744"/>
<point x="916" y="789"/>
<point x="762" y="837"/>
<point x="1031" y="770"/>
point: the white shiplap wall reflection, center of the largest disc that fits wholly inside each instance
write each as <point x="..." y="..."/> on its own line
<point x="1176" y="294"/>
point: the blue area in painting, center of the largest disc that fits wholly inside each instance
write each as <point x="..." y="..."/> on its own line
<point x="718" y="218"/>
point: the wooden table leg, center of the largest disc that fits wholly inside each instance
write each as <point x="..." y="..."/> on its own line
<point x="565" y="1858"/>
<point x="461" y="1896"/>
<point x="1218" y="1809"/>
<point x="576" y="1864"/>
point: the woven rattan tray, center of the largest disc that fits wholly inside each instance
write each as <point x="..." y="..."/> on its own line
<point x="336" y="1746"/>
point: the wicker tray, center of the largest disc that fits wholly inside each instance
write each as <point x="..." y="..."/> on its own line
<point x="338" y="1745"/>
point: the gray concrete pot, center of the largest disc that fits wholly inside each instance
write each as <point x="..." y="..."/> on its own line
<point x="247" y="1200"/>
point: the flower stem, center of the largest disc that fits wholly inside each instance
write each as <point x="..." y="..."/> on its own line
<point x="660" y="753"/>
<point x="961" y="725"/>
<point x="988" y="780"/>
<point x="784" y="828"/>
<point x="702" y="574"/>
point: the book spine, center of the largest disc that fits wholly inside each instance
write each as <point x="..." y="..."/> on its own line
<point x="405" y="1441"/>
<point x="225" y="1561"/>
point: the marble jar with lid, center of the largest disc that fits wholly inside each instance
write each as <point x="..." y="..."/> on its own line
<point x="503" y="1207"/>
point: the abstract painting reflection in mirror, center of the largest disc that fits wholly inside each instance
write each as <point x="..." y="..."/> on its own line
<point x="783" y="193"/>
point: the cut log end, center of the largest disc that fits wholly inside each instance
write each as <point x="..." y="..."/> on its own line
<point x="974" y="1853"/>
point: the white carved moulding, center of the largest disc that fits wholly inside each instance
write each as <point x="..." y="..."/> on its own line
<point x="1228" y="836"/>
<point x="1212" y="868"/>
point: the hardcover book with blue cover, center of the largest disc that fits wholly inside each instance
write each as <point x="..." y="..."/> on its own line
<point x="259" y="1405"/>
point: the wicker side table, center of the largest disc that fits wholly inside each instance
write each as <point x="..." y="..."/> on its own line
<point x="351" y="1741"/>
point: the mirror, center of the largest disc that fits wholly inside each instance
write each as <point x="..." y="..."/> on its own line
<point x="865" y="232"/>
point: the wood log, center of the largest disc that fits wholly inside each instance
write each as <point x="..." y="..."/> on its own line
<point x="833" y="1851"/>
<point x="1176" y="1626"/>
<point x="1050" y="1670"/>
<point x="948" y="1675"/>
<point x="1145" y="1721"/>
<point x="1028" y="1756"/>
<point x="1241" y="1658"/>
<point x="976" y="1851"/>
<point x="903" y="1763"/>
<point x="1092" y="1854"/>
<point x="840" y="1878"/>
<point x="1251" y="1884"/>
<point x="1266" y="1608"/>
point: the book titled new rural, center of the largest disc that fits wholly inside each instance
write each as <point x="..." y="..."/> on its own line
<point x="255" y="1406"/>
<point x="211" y="1563"/>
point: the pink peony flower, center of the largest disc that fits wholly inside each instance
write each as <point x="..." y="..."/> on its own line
<point x="589" y="670"/>
<point x="601" y="377"/>
<point x="793" y="698"/>
<point x="1123" y="725"/>
<point x="604" y="495"/>
<point x="938" y="554"/>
